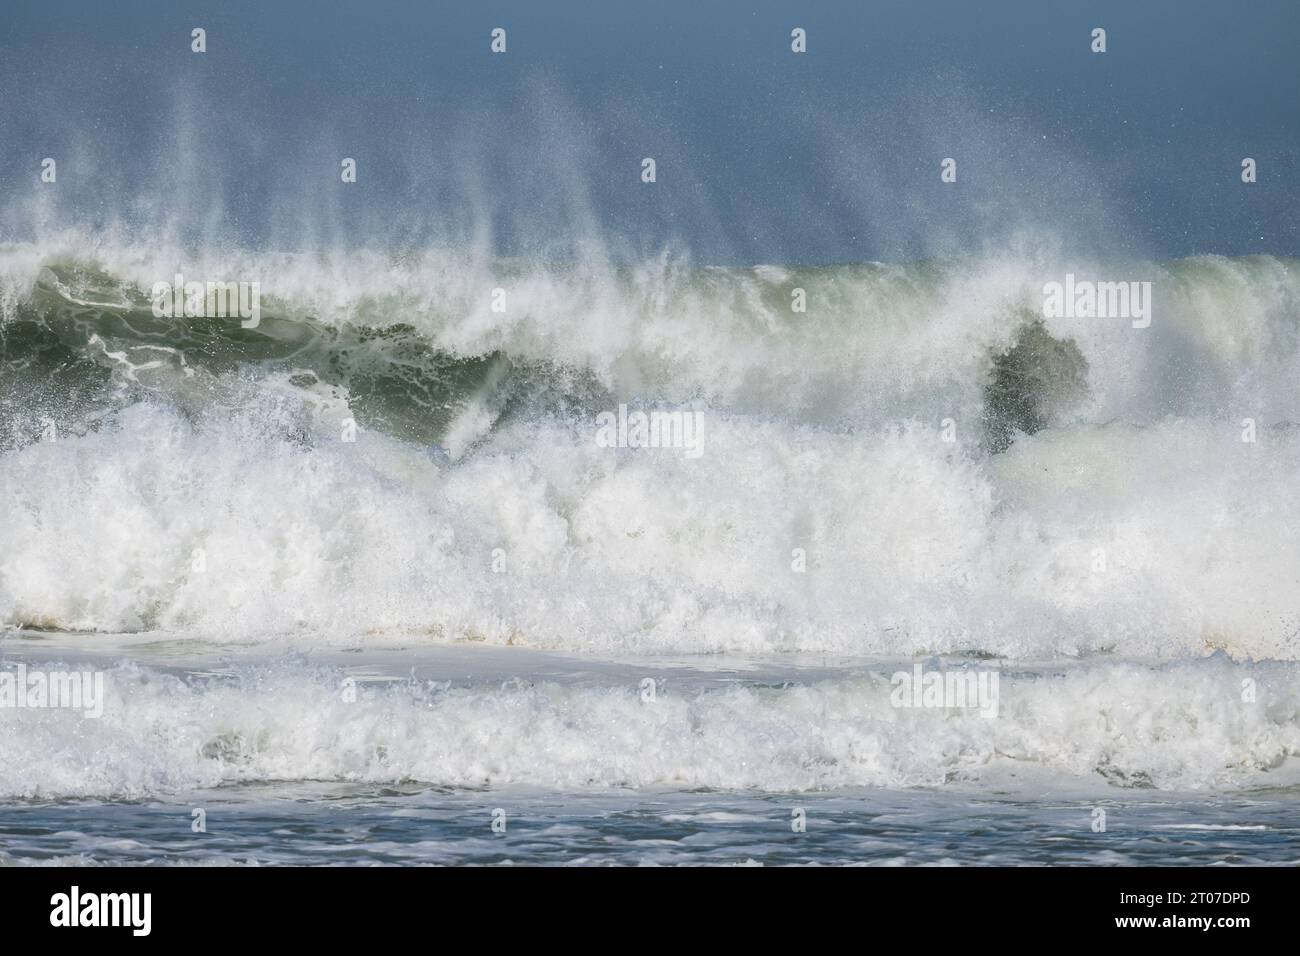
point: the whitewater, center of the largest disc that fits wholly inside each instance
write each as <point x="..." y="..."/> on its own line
<point x="373" y="550"/>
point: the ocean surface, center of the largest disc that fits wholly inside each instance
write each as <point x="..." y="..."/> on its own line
<point x="390" y="571"/>
<point x="357" y="642"/>
<point x="579" y="769"/>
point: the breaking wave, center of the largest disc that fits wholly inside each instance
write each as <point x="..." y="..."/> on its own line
<point x="919" y="462"/>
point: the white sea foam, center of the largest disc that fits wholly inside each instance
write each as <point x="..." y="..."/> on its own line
<point x="910" y="545"/>
<point x="1183" y="726"/>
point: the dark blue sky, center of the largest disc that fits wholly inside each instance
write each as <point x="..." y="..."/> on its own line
<point x="763" y="155"/>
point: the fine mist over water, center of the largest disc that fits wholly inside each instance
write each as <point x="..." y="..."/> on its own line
<point x="647" y="412"/>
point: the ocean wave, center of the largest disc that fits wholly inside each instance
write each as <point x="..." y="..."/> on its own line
<point x="921" y="463"/>
<point x="1185" y="727"/>
<point x="875" y="342"/>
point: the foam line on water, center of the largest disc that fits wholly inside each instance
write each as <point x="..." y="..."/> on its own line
<point x="1113" y="724"/>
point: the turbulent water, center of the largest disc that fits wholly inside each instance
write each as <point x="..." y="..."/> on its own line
<point x="396" y="467"/>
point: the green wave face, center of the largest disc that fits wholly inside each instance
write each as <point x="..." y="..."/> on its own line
<point x="84" y="343"/>
<point x="411" y="347"/>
